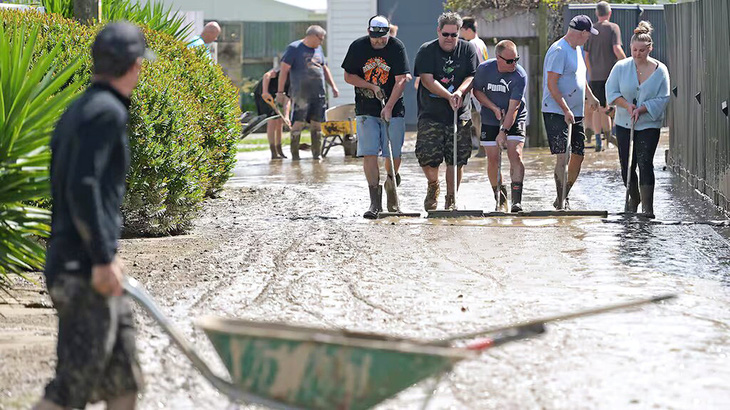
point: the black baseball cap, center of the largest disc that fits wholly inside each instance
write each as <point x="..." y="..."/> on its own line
<point x="582" y="22"/>
<point x="378" y="26"/>
<point x="117" y="46"/>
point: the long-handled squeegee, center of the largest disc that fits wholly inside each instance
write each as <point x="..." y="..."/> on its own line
<point x="392" y="175"/>
<point x="564" y="212"/>
<point x="456" y="213"/>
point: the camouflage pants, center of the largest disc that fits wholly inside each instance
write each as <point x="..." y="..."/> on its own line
<point x="97" y="359"/>
<point x="435" y="143"/>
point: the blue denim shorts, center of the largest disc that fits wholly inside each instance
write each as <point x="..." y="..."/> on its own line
<point x="371" y="138"/>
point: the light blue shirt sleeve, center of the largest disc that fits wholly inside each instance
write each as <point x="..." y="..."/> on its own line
<point x="613" y="91"/>
<point x="555" y="61"/>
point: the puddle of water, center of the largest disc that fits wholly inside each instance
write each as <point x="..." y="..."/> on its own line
<point x="694" y="250"/>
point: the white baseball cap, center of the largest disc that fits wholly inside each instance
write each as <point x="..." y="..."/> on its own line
<point x="379" y="26"/>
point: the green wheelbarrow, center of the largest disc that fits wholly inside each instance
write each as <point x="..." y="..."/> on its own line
<point x="292" y="367"/>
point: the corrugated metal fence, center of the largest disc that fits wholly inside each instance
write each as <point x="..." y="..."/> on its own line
<point x="628" y="16"/>
<point x="269" y="39"/>
<point x="699" y="66"/>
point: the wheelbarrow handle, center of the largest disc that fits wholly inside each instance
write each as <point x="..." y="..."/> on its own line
<point x="535" y="324"/>
<point x="509" y="335"/>
<point x="137" y="291"/>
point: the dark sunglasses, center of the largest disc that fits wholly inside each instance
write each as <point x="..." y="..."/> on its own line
<point x="510" y="60"/>
<point x="454" y="35"/>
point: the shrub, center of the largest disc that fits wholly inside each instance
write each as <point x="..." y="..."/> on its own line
<point x="183" y="123"/>
<point x="33" y="94"/>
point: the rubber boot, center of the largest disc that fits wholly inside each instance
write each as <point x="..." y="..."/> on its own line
<point x="295" y="146"/>
<point x="450" y="203"/>
<point x="274" y="153"/>
<point x="495" y="190"/>
<point x="316" y="145"/>
<point x="634" y="198"/>
<point x="559" y="190"/>
<point x="589" y="134"/>
<point x="566" y="206"/>
<point x="280" y="151"/>
<point x="432" y="196"/>
<point x="503" y="198"/>
<point x="376" y="202"/>
<point x="611" y="138"/>
<point x="599" y="143"/>
<point x="647" y="200"/>
<point x="390" y="194"/>
<point x="516" y="197"/>
<point x="482" y="153"/>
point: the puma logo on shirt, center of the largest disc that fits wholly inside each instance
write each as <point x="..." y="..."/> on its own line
<point x="503" y="87"/>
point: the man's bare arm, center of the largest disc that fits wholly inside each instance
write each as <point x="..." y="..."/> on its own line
<point x="619" y="52"/>
<point x="283" y="76"/>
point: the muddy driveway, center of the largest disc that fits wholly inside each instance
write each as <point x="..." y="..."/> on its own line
<point x="286" y="242"/>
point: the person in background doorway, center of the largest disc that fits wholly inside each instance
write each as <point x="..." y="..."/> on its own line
<point x="601" y="52"/>
<point x="210" y="34"/>
<point x="645" y="80"/>
<point x="469" y="33"/>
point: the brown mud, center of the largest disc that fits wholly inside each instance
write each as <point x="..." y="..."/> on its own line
<point x="286" y="242"/>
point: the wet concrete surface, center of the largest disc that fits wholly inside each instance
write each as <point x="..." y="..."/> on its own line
<point x="286" y="242"/>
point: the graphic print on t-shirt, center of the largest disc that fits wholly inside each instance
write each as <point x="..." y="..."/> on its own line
<point x="448" y="80"/>
<point x="375" y="71"/>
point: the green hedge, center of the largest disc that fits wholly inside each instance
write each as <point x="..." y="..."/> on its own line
<point x="183" y="124"/>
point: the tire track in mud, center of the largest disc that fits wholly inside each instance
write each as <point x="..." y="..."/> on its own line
<point x="351" y="286"/>
<point x="339" y="237"/>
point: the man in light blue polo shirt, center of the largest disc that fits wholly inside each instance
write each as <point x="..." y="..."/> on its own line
<point x="564" y="91"/>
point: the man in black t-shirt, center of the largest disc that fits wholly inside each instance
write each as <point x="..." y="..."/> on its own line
<point x="446" y="68"/>
<point x="377" y="65"/>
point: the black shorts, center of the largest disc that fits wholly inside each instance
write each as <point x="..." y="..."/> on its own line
<point x="262" y="108"/>
<point x="97" y="358"/>
<point x="557" y="133"/>
<point x="308" y="110"/>
<point x="435" y="143"/>
<point x="599" y="90"/>
<point x="490" y="132"/>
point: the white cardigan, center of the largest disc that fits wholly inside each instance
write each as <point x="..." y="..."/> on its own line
<point x="652" y="93"/>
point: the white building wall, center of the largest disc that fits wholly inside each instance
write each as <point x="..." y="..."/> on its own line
<point x="246" y="10"/>
<point x="346" y="21"/>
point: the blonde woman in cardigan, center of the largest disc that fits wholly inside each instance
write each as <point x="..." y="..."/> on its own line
<point x="639" y="87"/>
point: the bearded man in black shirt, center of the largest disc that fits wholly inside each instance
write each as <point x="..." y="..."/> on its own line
<point x="377" y="66"/>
